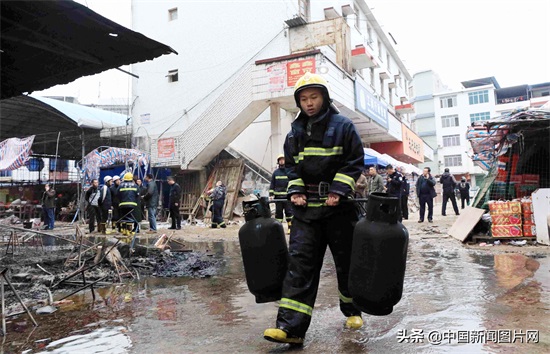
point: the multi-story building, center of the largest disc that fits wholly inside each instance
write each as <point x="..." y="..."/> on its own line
<point x="443" y="116"/>
<point x="232" y="82"/>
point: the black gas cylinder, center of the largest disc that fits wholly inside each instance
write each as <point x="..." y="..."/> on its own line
<point x="378" y="257"/>
<point x="264" y="251"/>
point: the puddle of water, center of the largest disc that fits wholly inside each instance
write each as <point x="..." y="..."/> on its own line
<point x="446" y="290"/>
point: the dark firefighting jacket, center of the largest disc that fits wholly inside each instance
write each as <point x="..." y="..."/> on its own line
<point x="279" y="183"/>
<point x="127" y="194"/>
<point x="332" y="155"/>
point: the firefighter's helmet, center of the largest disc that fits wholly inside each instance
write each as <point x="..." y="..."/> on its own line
<point x="128" y="176"/>
<point x="281" y="156"/>
<point x="310" y="80"/>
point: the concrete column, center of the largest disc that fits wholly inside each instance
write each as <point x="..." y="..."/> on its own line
<point x="276" y="139"/>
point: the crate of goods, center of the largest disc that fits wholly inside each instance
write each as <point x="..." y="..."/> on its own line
<point x="499" y="207"/>
<point x="506" y="218"/>
<point x="528" y="218"/>
<point x="506" y="231"/>
<point x="529" y="230"/>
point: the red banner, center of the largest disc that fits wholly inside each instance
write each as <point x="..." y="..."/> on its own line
<point x="166" y="148"/>
<point x="296" y="69"/>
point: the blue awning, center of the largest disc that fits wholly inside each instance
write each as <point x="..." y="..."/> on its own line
<point x="373" y="157"/>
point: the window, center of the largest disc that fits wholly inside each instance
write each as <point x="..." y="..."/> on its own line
<point x="390" y="94"/>
<point x="478" y="97"/>
<point x="173" y="14"/>
<point x="372" y="76"/>
<point x="451" y="140"/>
<point x="476" y="117"/>
<point x="379" y="49"/>
<point x="304" y="7"/>
<point x="400" y="80"/>
<point x="357" y="17"/>
<point x="453" y="160"/>
<point x="172" y="75"/>
<point x="369" y="35"/>
<point x="449" y="121"/>
<point x="382" y="87"/>
<point x="388" y="60"/>
<point x="447" y="102"/>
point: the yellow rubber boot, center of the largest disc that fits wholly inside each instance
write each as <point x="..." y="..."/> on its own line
<point x="279" y="336"/>
<point x="354" y="322"/>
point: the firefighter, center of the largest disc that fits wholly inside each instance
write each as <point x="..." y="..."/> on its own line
<point x="324" y="157"/>
<point x="128" y="196"/>
<point x="277" y="190"/>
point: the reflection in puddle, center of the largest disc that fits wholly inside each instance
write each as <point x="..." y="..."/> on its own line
<point x="445" y="290"/>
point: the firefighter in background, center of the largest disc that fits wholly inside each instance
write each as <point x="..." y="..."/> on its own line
<point x="217" y="195"/>
<point x="324" y="157"/>
<point x="277" y="190"/>
<point x="128" y="196"/>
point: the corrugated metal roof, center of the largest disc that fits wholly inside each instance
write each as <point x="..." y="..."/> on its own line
<point x="47" y="43"/>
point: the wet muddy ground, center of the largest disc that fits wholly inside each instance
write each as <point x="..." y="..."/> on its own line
<point x="457" y="299"/>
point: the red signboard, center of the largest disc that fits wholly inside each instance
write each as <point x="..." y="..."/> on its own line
<point x="296" y="69"/>
<point x="166" y="148"/>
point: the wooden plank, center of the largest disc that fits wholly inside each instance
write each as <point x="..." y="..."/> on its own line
<point x="466" y="222"/>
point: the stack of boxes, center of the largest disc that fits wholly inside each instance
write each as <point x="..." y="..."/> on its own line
<point x="529" y="229"/>
<point x="506" y="218"/>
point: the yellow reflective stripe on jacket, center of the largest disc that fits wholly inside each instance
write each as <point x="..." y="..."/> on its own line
<point x="319" y="151"/>
<point x="296" y="182"/>
<point x="128" y="203"/>
<point x="340" y="177"/>
<point x="127" y="189"/>
<point x="279" y="193"/>
<point x="296" y="306"/>
<point x="346" y="300"/>
<point x="281" y="177"/>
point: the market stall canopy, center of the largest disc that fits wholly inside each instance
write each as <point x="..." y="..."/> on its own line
<point x="47" y="119"/>
<point x="47" y="43"/>
<point x="373" y="157"/>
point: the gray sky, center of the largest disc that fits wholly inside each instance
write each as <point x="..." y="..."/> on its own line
<point x="459" y="39"/>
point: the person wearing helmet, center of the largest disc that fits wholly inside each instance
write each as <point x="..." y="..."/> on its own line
<point x="105" y="203"/>
<point x="277" y="190"/>
<point x="115" y="201"/>
<point x="323" y="157"/>
<point x="128" y="196"/>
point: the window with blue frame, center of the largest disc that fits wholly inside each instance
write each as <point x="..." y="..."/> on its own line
<point x="478" y="97"/>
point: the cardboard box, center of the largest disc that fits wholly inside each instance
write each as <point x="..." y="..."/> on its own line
<point x="529" y="218"/>
<point x="501" y="207"/>
<point x="529" y="230"/>
<point x="527" y="206"/>
<point x="506" y="219"/>
<point x="506" y="231"/>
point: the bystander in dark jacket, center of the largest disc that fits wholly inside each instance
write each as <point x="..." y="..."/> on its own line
<point x="448" y="182"/>
<point x="425" y="190"/>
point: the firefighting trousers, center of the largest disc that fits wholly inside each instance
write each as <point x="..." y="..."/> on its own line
<point x="217" y="211"/>
<point x="280" y="207"/>
<point x="307" y="248"/>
